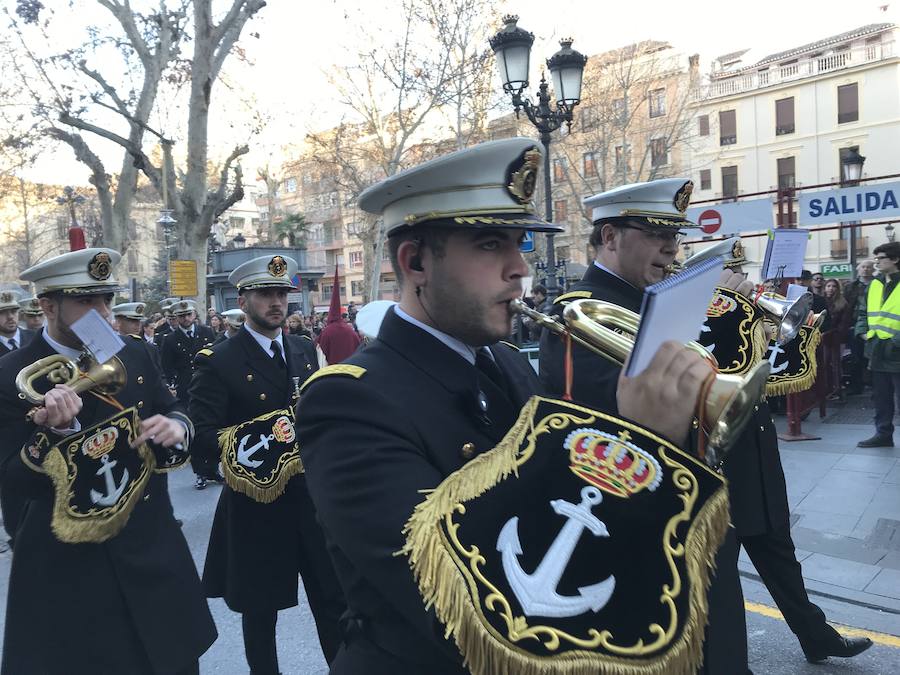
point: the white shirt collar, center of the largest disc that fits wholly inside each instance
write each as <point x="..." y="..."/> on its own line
<point x="73" y="354"/>
<point x="186" y="331"/>
<point x="17" y="337"/>
<point x="265" y="342"/>
<point x="609" y="271"/>
<point x="460" y="347"/>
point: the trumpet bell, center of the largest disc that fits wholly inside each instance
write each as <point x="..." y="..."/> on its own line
<point x="786" y="314"/>
<point x="108" y="378"/>
<point x="730" y="404"/>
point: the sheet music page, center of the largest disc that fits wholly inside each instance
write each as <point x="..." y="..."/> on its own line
<point x="784" y="253"/>
<point x="98" y="336"/>
<point x="673" y="309"/>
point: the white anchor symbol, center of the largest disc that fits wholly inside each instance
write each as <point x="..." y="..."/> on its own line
<point x="706" y="329"/>
<point x="243" y="456"/>
<point x="537" y="592"/>
<point x="113" y="491"/>
<point x="774" y="350"/>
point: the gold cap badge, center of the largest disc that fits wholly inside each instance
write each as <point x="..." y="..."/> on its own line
<point x="683" y="196"/>
<point x="100" y="267"/>
<point x="277" y="266"/>
<point x="522" y="175"/>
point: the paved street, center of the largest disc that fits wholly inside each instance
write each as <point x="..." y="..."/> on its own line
<point x="846" y="523"/>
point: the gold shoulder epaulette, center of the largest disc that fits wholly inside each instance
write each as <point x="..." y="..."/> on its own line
<point x="573" y="295"/>
<point x="510" y="345"/>
<point x="307" y="337"/>
<point x="344" y="369"/>
<point x="136" y="337"/>
<point x="205" y="352"/>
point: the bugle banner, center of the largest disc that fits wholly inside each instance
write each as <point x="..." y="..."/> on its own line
<point x="97" y="477"/>
<point x="581" y="544"/>
<point x="793" y="364"/>
<point x="733" y="332"/>
<point x="261" y="455"/>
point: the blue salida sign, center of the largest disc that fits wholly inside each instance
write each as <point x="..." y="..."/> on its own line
<point x="865" y="202"/>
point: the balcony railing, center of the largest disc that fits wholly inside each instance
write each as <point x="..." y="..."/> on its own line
<point x="802" y="68"/>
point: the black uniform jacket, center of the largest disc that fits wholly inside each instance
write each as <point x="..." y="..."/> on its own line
<point x="253" y="556"/>
<point x="370" y="446"/>
<point x="25" y="335"/>
<point x="596" y="378"/>
<point x="160" y="332"/>
<point x="132" y="604"/>
<point x="177" y="352"/>
<point x="756" y="480"/>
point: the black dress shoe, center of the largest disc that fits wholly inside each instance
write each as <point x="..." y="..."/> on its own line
<point x="834" y="645"/>
<point x="200" y="483"/>
<point x="877" y="441"/>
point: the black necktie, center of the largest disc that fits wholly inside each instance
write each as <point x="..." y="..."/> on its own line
<point x="276" y="350"/>
<point x="12" y="344"/>
<point x="488" y="367"/>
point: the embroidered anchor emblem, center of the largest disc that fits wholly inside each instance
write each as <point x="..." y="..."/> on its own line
<point x="774" y="350"/>
<point x="243" y="456"/>
<point x="536" y="592"/>
<point x="113" y="491"/>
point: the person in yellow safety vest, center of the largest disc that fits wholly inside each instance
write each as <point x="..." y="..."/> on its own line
<point x="883" y="342"/>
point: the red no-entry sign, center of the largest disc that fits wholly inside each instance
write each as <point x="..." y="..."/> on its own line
<point x="710" y="221"/>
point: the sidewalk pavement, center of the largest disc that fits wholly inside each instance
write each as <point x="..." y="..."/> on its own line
<point x="845" y="507"/>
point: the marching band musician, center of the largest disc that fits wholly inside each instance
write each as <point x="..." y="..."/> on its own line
<point x="31" y="313"/>
<point x="637" y="229"/>
<point x="264" y="532"/>
<point x="437" y="390"/>
<point x="128" y="317"/>
<point x="11" y="336"/>
<point x="100" y="568"/>
<point x="234" y="319"/>
<point x="632" y="253"/>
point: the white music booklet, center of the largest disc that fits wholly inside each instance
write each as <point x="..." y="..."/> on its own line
<point x="673" y="309"/>
<point x="100" y="339"/>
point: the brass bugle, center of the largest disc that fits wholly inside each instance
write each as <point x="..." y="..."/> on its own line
<point x="787" y="315"/>
<point x="609" y="330"/>
<point x="107" y="378"/>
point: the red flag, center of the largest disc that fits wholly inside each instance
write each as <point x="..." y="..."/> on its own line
<point x="334" y="310"/>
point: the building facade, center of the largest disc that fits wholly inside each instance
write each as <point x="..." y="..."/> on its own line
<point x="786" y="120"/>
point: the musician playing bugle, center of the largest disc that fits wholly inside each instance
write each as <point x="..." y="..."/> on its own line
<point x="635" y="237"/>
<point x="430" y="414"/>
<point x="101" y="568"/>
<point x="636" y="234"/>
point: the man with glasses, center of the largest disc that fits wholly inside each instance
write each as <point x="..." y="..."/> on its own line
<point x="882" y="336"/>
<point x="631" y="252"/>
<point x="636" y="234"/>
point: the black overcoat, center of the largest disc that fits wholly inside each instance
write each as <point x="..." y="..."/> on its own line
<point x="131" y="604"/>
<point x="177" y="354"/>
<point x="256" y="550"/>
<point x="370" y="446"/>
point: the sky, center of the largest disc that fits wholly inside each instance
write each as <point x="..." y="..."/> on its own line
<point x="299" y="42"/>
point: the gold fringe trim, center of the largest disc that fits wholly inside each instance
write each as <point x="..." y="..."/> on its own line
<point x="438" y="577"/>
<point x="288" y="467"/>
<point x="794" y="385"/>
<point x="91" y="529"/>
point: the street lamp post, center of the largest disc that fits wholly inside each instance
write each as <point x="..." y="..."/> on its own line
<point x="512" y="49"/>
<point x="851" y="172"/>
<point x="167" y="222"/>
<point x="70" y="199"/>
